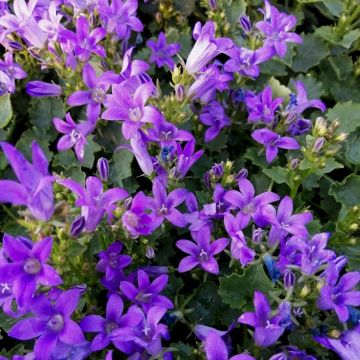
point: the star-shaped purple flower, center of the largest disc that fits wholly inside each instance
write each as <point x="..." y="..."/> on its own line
<point x="201" y="252"/>
<point x="273" y="142"/>
<point x="161" y="52"/>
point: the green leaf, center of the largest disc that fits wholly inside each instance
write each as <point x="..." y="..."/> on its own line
<point x="90" y="149"/>
<point x="233" y="9"/>
<point x="278" y="89"/>
<point x="329" y="34"/>
<point x="237" y="290"/>
<point x="342" y="65"/>
<point x="120" y="166"/>
<point x="6" y="111"/>
<point x="348" y="191"/>
<point x="348" y="114"/>
<point x="352" y="152"/>
<point x="310" y="53"/>
<point x="335" y="7"/>
<point x="278" y="174"/>
<point x="43" y="110"/>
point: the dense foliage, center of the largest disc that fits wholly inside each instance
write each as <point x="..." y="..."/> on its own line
<point x="180" y="179"/>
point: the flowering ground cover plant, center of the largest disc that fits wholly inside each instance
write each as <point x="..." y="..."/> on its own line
<point x="180" y="179"/>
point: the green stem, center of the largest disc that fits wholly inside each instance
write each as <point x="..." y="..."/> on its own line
<point x="8" y="212"/>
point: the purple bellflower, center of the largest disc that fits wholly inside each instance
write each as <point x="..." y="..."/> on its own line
<point x="42" y="89"/>
<point x="9" y="71"/>
<point x="96" y="95"/>
<point x="338" y="292"/>
<point x="161" y="52"/>
<point x="201" y="252"/>
<point x="130" y="108"/>
<point x="147" y="334"/>
<point x="268" y="328"/>
<point x="74" y="135"/>
<point x="114" y="319"/>
<point x="251" y="206"/>
<point x="273" y="142"/>
<point x="347" y="346"/>
<point x="119" y="17"/>
<point x="206" y="47"/>
<point x="239" y="249"/>
<point x="28" y="267"/>
<point x="52" y="323"/>
<point x="284" y="222"/>
<point x="275" y="27"/>
<point x="146" y="294"/>
<point x="141" y="218"/>
<point x="215" y="349"/>
<point x="34" y="188"/>
<point x="213" y="115"/>
<point x="246" y="62"/>
<point x="292" y="353"/>
<point x="84" y="42"/>
<point x="112" y="262"/>
<point x="262" y="107"/>
<point x="93" y="200"/>
<point x="165" y="204"/>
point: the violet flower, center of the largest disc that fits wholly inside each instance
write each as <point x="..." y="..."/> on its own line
<point x="167" y="134"/>
<point x="96" y="95"/>
<point x="130" y="108"/>
<point x="206" y="47"/>
<point x="147" y="334"/>
<point x="292" y="353"/>
<point x="84" y="41"/>
<point x="201" y="252"/>
<point x="111" y="261"/>
<point x="213" y="115"/>
<point x="339" y="292"/>
<point x="114" y="319"/>
<point x="246" y="62"/>
<point x="93" y="200"/>
<point x="28" y="267"/>
<point x="161" y="52"/>
<point x="215" y="349"/>
<point x="262" y="107"/>
<point x="268" y="328"/>
<point x="273" y="142"/>
<point x="52" y="323"/>
<point x="42" y="89"/>
<point x="165" y="204"/>
<point x="276" y="28"/>
<point x="239" y="249"/>
<point x="119" y="17"/>
<point x="146" y="294"/>
<point x="9" y="71"/>
<point x="347" y="346"/>
<point x="74" y="135"/>
<point x="284" y="222"/>
<point x="141" y="218"/>
<point x="251" y="206"/>
<point x="34" y="188"/>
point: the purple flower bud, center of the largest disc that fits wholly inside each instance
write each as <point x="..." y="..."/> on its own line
<point x="218" y="170"/>
<point x="289" y="279"/>
<point x="294" y="163"/>
<point x="340" y="262"/>
<point x="179" y="92"/>
<point x="155" y="270"/>
<point x="77" y="226"/>
<point x="15" y="45"/>
<point x="298" y="312"/>
<point x="245" y="23"/>
<point x="318" y="144"/>
<point x="150" y="252"/>
<point x="213" y="4"/>
<point x="242" y="174"/>
<point x="41" y="89"/>
<point x="103" y="168"/>
<point x="257" y="236"/>
<point x="207" y="180"/>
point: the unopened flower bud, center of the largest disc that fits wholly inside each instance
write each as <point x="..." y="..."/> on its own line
<point x="318" y="144"/>
<point x="294" y="163"/>
<point x="242" y="174"/>
<point x="289" y="279"/>
<point x="77" y="226"/>
<point x="341" y="137"/>
<point x="176" y="75"/>
<point x="150" y="252"/>
<point x="340" y="262"/>
<point x="103" y="168"/>
<point x="257" y="236"/>
<point x="320" y="126"/>
<point x="207" y="180"/>
<point x="217" y="170"/>
<point x="228" y="165"/>
<point x="245" y="23"/>
<point x="305" y="291"/>
<point x="271" y="267"/>
<point x="180" y="92"/>
<point x="335" y="334"/>
<point x="213" y="4"/>
<point x="354" y="227"/>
